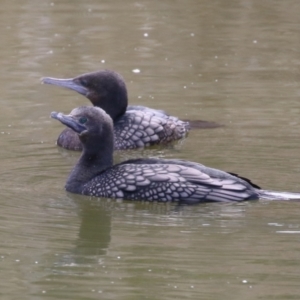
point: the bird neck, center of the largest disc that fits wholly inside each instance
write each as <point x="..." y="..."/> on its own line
<point x="93" y="161"/>
<point x="113" y="101"/>
<point x="115" y="111"/>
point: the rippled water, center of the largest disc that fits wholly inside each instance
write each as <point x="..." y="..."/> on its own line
<point x="236" y="63"/>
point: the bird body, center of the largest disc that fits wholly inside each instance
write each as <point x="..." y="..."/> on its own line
<point x="165" y="181"/>
<point x="147" y="179"/>
<point x="134" y="126"/>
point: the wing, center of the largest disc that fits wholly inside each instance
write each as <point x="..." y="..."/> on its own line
<point x="167" y="182"/>
<point x="214" y="173"/>
<point x="143" y="127"/>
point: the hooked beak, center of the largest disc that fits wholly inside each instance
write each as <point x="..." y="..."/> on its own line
<point x="66" y="83"/>
<point x="69" y="121"/>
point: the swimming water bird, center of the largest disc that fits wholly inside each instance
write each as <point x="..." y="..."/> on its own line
<point x="134" y="126"/>
<point x="147" y="179"/>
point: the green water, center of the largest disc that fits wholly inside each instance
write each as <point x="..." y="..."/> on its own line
<point x="236" y="63"/>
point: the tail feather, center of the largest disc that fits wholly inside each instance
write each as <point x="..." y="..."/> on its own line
<point x="274" y="195"/>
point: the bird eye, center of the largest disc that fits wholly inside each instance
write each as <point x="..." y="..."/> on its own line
<point x="83" y="81"/>
<point x="82" y="120"/>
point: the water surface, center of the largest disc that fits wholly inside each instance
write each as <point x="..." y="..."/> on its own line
<point x="235" y="63"/>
